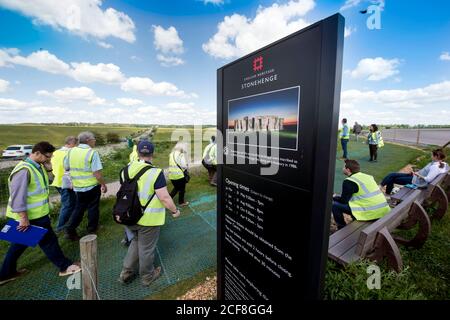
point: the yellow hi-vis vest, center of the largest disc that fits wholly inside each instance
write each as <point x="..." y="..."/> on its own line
<point x="80" y="160"/>
<point x="134" y="154"/>
<point x="37" y="192"/>
<point x="369" y="202"/>
<point x="175" y="173"/>
<point x="210" y="153"/>
<point x="58" y="166"/>
<point x="347" y="135"/>
<point x="155" y="214"/>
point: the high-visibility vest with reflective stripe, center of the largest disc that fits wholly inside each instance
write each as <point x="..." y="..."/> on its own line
<point x="58" y="166"/>
<point x="369" y="202"/>
<point x="80" y="169"/>
<point x="134" y="154"/>
<point x="155" y="214"/>
<point x="175" y="173"/>
<point x="37" y="192"/>
<point x="345" y="136"/>
<point x="209" y="154"/>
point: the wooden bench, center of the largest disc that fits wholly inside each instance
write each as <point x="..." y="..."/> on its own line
<point x="373" y="239"/>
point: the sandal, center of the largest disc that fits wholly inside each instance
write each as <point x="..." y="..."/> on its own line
<point x="74" y="268"/>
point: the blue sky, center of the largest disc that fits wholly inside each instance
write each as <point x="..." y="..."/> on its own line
<point x="155" y="61"/>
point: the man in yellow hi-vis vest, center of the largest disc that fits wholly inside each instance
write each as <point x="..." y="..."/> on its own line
<point x="345" y="137"/>
<point x="361" y="197"/>
<point x="151" y="186"/>
<point x="85" y="168"/>
<point x="28" y="204"/>
<point x="210" y="161"/>
<point x="62" y="182"/>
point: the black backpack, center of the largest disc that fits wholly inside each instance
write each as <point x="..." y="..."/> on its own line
<point x="128" y="209"/>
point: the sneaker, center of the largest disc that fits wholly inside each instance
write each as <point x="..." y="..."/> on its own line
<point x="184" y="204"/>
<point x="126" y="277"/>
<point x="155" y="275"/>
<point x="19" y="273"/>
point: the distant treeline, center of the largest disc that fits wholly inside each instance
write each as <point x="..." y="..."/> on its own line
<point x="407" y="126"/>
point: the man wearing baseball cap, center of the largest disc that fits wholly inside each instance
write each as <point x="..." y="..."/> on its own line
<point x="141" y="252"/>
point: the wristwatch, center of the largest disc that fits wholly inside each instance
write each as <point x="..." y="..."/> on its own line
<point x="176" y="211"/>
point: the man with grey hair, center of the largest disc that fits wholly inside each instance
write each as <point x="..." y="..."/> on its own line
<point x="62" y="183"/>
<point x="85" y="168"/>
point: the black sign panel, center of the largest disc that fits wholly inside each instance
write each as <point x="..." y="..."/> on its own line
<point x="278" y="112"/>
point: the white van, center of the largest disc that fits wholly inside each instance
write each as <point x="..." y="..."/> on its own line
<point x="18" y="150"/>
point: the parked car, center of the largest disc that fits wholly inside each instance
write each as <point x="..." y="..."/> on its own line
<point x="19" y="150"/>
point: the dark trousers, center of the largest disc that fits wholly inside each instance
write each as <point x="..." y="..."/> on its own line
<point x="344" y="143"/>
<point x="49" y="244"/>
<point x="89" y="201"/>
<point x="178" y="186"/>
<point x="212" y="172"/>
<point x="396" y="178"/>
<point x="68" y="203"/>
<point x="373" y="148"/>
<point x="338" y="210"/>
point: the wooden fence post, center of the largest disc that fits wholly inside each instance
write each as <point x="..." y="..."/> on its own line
<point x="88" y="254"/>
<point x="418" y="137"/>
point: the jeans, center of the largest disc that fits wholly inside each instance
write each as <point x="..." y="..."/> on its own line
<point x="212" y="172"/>
<point x="141" y="252"/>
<point x="68" y="202"/>
<point x="89" y="201"/>
<point x="397" y="178"/>
<point x="338" y="210"/>
<point x="373" y="150"/>
<point x="344" y="143"/>
<point x="49" y="244"/>
<point x="178" y="186"/>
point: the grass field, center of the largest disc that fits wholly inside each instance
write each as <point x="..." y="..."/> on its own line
<point x="55" y="134"/>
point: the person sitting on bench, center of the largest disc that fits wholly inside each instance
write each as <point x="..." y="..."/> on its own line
<point x="361" y="197"/>
<point x="421" y="178"/>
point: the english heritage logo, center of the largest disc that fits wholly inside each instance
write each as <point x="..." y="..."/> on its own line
<point x="258" y="64"/>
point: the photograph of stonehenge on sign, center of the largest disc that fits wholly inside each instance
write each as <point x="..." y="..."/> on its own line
<point x="263" y="115"/>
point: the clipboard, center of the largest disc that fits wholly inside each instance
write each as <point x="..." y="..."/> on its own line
<point x="30" y="238"/>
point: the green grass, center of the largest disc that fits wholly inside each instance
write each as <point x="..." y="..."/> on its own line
<point x="55" y="134"/>
<point x="426" y="273"/>
<point x="391" y="158"/>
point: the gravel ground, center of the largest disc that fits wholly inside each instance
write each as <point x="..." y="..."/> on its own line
<point x="204" y="291"/>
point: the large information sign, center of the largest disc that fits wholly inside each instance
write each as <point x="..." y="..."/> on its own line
<point x="278" y="114"/>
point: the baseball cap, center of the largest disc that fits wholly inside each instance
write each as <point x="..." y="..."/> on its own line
<point x="145" y="147"/>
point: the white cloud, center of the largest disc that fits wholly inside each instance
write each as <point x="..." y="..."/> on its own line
<point x="45" y="61"/>
<point x="86" y="72"/>
<point x="81" y="17"/>
<point x="215" y="2"/>
<point x="40" y="60"/>
<point x="129" y="102"/>
<point x="348" y="31"/>
<point x="169" y="45"/>
<point x="445" y="56"/>
<point x="398" y="106"/>
<point x="102" y="72"/>
<point x="4" y="85"/>
<point x="375" y="69"/>
<point x="74" y="94"/>
<point x="104" y="45"/>
<point x="238" y="35"/>
<point x="168" y="61"/>
<point x="349" y="4"/>
<point x="8" y="105"/>
<point x="180" y="106"/>
<point x="149" y="87"/>
<point x="167" y="40"/>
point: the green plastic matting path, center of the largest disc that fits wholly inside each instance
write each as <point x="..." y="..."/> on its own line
<point x="187" y="246"/>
